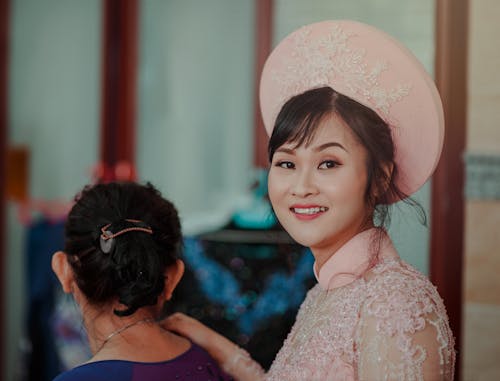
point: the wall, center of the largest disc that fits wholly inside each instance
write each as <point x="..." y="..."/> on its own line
<point x="54" y="98"/>
<point x="482" y="258"/>
<point x="196" y="88"/>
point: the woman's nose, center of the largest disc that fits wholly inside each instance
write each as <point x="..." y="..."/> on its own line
<point x="304" y="184"/>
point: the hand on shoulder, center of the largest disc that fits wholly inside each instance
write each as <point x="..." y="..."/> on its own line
<point x="215" y="344"/>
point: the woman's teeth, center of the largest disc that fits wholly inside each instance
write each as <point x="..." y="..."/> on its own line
<point x="309" y="210"/>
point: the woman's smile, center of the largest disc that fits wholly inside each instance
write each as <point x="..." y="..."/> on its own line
<point x="308" y="212"/>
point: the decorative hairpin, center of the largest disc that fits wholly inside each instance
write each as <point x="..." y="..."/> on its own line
<point x="107" y="237"/>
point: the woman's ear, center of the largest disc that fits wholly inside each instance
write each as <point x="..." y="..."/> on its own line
<point x="173" y="275"/>
<point x="63" y="271"/>
<point x="388" y="169"/>
<point x="381" y="188"/>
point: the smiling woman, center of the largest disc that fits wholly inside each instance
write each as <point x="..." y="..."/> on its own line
<point x="347" y="123"/>
<point x="318" y="188"/>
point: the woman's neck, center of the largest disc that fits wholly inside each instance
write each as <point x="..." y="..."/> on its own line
<point x="135" y="338"/>
<point x="102" y="325"/>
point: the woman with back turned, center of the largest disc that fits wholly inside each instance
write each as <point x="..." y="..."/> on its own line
<point x="121" y="263"/>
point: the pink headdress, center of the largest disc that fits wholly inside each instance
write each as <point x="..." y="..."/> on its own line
<point x="372" y="68"/>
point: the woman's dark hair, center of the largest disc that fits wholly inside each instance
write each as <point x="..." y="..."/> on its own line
<point x="133" y="270"/>
<point x="300" y="118"/>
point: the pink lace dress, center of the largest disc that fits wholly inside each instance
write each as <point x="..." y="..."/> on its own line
<point x="365" y="322"/>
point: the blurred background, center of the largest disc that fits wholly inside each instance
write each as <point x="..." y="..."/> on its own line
<point x="165" y="91"/>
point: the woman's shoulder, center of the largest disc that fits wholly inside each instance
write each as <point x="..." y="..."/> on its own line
<point x="98" y="371"/>
<point x="194" y="360"/>
<point x="396" y="291"/>
<point x="396" y="275"/>
<point x="403" y="324"/>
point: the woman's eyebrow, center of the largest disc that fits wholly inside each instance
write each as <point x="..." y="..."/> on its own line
<point x="286" y="150"/>
<point x="329" y="144"/>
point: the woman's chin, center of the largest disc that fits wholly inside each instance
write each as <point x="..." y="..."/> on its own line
<point x="303" y="239"/>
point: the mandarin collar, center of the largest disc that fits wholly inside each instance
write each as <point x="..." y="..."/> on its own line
<point x="352" y="260"/>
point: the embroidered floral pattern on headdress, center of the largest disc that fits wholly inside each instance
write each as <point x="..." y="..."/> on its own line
<point x="320" y="62"/>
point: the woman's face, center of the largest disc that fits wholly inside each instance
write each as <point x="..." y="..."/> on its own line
<point x="318" y="190"/>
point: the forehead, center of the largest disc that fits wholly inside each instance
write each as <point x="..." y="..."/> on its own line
<point x="330" y="129"/>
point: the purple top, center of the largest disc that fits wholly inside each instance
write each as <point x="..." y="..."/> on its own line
<point x="194" y="365"/>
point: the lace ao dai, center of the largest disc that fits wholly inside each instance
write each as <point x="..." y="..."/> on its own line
<point x="387" y="324"/>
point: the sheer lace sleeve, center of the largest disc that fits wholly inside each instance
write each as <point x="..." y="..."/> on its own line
<point x="234" y="360"/>
<point x="403" y="331"/>
<point x="241" y="366"/>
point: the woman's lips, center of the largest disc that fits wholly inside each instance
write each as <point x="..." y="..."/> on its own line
<point x="308" y="212"/>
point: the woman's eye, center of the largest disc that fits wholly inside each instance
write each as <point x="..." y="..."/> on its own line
<point x="285" y="164"/>
<point x="327" y="164"/>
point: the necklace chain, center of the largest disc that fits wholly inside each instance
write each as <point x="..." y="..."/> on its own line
<point x="120" y="330"/>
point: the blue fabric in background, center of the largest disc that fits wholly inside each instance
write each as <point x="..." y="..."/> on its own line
<point x="43" y="238"/>
<point x="249" y="290"/>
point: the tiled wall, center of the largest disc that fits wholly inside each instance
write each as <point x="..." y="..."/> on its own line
<point x="481" y="349"/>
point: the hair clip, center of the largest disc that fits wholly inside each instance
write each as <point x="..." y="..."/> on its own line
<point x="106" y="240"/>
<point x="107" y="237"/>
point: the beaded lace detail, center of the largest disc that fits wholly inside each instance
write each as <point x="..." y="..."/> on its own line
<point x="390" y="324"/>
<point x="242" y="367"/>
<point x="316" y="62"/>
